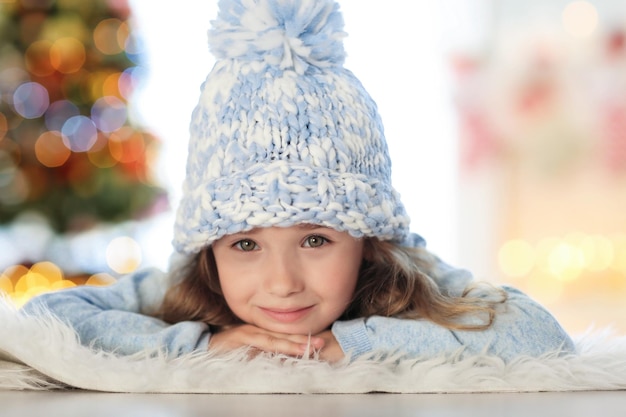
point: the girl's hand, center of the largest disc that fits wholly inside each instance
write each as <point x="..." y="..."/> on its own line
<point x="247" y="335"/>
<point x="331" y="350"/>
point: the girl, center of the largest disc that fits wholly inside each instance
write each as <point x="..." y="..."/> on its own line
<point x="289" y="234"/>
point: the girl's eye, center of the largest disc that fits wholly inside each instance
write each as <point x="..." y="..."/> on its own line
<point x="245" y="245"/>
<point x="315" y="241"/>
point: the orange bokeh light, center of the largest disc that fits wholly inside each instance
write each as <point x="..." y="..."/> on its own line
<point x="96" y="84"/>
<point x="122" y="34"/>
<point x="105" y="36"/>
<point x="67" y="55"/>
<point x="37" y="58"/>
<point x="4" y="126"/>
<point x="110" y="87"/>
<point x="21" y="283"/>
<point x="50" y="149"/>
<point x="127" y="145"/>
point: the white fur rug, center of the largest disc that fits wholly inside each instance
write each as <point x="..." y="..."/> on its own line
<point x="38" y="354"/>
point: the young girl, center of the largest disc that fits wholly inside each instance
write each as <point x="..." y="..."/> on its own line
<point x="289" y="235"/>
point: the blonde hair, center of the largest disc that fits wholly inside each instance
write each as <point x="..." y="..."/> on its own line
<point x="393" y="281"/>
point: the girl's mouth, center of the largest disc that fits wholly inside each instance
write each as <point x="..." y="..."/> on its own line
<point x="288" y="315"/>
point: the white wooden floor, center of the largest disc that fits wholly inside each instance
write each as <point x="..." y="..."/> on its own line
<point x="90" y="404"/>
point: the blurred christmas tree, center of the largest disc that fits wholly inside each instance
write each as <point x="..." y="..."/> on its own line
<point x="68" y="149"/>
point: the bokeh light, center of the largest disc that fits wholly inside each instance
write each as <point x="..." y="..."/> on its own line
<point x="516" y="258"/>
<point x="4" y="126"/>
<point x="123" y="255"/>
<point x="108" y="113"/>
<point x="619" y="259"/>
<point x="554" y="262"/>
<point x="152" y="153"/>
<point x="123" y="32"/>
<point x="100" y="279"/>
<point x="49" y="270"/>
<point x="50" y="149"/>
<point x="566" y="261"/>
<point x="21" y="283"/>
<point x="99" y="154"/>
<point x="127" y="145"/>
<point x="10" y="79"/>
<point x="15" y="272"/>
<point x="10" y="276"/>
<point x="6" y="285"/>
<point x="95" y="84"/>
<point x="105" y="36"/>
<point x="111" y="85"/>
<point x="58" y="113"/>
<point x="134" y="48"/>
<point x="67" y="55"/>
<point x="130" y="79"/>
<point x="580" y="18"/>
<point x="37" y="58"/>
<point x="79" y="133"/>
<point x="31" y="100"/>
<point x="31" y="284"/>
<point x="598" y="252"/>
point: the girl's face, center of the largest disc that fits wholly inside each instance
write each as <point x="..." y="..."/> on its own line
<point x="295" y="280"/>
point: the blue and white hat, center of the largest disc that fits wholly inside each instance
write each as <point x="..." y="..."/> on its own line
<point x="282" y="133"/>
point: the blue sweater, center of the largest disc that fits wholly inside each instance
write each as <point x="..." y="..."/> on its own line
<point x="120" y="318"/>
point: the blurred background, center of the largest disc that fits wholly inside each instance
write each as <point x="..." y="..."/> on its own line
<point x="506" y="123"/>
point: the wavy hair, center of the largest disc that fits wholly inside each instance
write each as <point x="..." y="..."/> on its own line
<point x="394" y="281"/>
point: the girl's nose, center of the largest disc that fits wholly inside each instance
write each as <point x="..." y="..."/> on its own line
<point x="282" y="276"/>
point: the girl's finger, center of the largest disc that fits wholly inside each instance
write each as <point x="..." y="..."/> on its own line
<point x="292" y="345"/>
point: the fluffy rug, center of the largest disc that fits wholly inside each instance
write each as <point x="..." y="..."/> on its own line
<point x="42" y="354"/>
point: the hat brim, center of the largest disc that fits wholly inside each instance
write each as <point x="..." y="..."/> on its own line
<point x="282" y="194"/>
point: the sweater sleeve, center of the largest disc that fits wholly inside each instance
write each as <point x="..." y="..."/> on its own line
<point x="522" y="327"/>
<point x="118" y="318"/>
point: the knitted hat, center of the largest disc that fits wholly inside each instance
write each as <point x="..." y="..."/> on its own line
<point x="282" y="133"/>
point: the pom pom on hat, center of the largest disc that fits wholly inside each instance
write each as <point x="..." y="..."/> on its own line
<point x="286" y="34"/>
<point x="283" y="134"/>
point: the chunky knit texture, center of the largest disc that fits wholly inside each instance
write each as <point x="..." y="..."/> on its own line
<point x="282" y="133"/>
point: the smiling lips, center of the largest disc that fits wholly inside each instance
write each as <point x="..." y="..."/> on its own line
<point x="287" y="316"/>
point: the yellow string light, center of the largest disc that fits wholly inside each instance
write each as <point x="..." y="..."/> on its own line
<point x="564" y="259"/>
<point x="6" y="285"/>
<point x="21" y="283"/>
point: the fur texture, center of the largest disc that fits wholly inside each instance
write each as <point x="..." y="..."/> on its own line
<point x="42" y="353"/>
